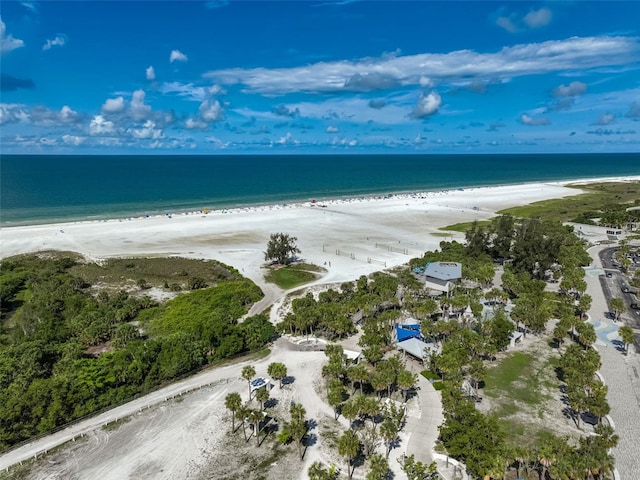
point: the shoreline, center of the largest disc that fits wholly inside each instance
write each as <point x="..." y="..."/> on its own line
<point x="120" y="216"/>
<point x="349" y="237"/>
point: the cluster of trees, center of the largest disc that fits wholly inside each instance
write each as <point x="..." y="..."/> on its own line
<point x="532" y="251"/>
<point x="331" y="314"/>
<point x="354" y="391"/>
<point x="614" y="215"/>
<point x="249" y="413"/>
<point x="584" y="392"/>
<point x="529" y="246"/>
<point x="53" y="322"/>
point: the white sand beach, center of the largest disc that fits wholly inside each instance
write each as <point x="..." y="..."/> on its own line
<point x="370" y="232"/>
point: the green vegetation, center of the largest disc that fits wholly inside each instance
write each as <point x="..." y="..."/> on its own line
<point x="331" y="314"/>
<point x="463" y="226"/>
<point x="515" y="378"/>
<point x="155" y="272"/>
<point x="69" y="348"/>
<point x="606" y="201"/>
<point x="281" y="248"/>
<point x="292" y="276"/>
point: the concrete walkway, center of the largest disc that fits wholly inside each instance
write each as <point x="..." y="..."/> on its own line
<point x="621" y="374"/>
<point x="424" y="425"/>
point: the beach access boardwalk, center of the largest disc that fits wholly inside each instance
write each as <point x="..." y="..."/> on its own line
<point x="621" y="374"/>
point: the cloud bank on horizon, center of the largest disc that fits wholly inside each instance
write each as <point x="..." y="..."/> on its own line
<point x="319" y="77"/>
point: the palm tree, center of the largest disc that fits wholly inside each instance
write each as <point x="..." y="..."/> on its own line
<point x="233" y="402"/>
<point x="298" y="426"/>
<point x="262" y="395"/>
<point x="248" y="372"/>
<point x="242" y="413"/>
<point x="378" y="468"/>
<point x="357" y="373"/>
<point x="255" y="417"/>
<point x="406" y="380"/>
<point x="277" y="370"/>
<point x="348" y="446"/>
<point x="317" y="471"/>
<point x="617" y="306"/>
<point x="297" y="412"/>
<point x="389" y="431"/>
<point x="626" y="334"/>
<point x="336" y="395"/>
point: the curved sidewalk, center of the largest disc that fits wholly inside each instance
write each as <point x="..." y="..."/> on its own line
<point x="424" y="429"/>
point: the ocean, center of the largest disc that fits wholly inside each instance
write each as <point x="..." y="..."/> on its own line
<point x="36" y="189"/>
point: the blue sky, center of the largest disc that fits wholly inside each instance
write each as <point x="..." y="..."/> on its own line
<point x="319" y="77"/>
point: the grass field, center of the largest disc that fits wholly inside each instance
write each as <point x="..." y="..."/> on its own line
<point x="518" y="389"/>
<point x="568" y="209"/>
<point x="463" y="226"/>
<point x="514" y="379"/>
<point x="293" y="275"/>
<point x="118" y="272"/>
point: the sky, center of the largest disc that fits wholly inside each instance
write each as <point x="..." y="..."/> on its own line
<point x="344" y="76"/>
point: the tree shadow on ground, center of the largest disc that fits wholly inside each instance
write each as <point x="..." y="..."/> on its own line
<point x="288" y="380"/>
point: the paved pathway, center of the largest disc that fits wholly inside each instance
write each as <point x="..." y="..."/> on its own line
<point x="424" y="425"/>
<point x="621" y="374"/>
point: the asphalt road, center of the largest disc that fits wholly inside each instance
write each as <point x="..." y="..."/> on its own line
<point x="612" y="287"/>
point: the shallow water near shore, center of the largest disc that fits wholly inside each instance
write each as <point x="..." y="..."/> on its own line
<point x="49" y="189"/>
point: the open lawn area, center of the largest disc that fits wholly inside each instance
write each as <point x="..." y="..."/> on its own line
<point x="292" y="276"/>
<point x="523" y="391"/>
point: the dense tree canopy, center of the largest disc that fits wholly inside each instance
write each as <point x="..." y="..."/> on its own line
<point x="68" y="349"/>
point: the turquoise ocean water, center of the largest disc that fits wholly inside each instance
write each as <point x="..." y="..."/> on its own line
<point x="46" y="189"/>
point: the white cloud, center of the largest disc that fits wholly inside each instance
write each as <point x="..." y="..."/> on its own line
<point x="578" y="53"/>
<point x="12" y="113"/>
<point x="193" y="124"/>
<point x="217" y="142"/>
<point x="49" y="142"/>
<point x="287" y="139"/>
<point x="533" y="121"/>
<point x="571" y="90"/>
<point x="7" y="41"/>
<point x="113" y="105"/>
<point x="332" y="129"/>
<point x="42" y="116"/>
<point x="425" y="82"/>
<point x="517" y="22"/>
<point x="605" y="119"/>
<point x="427" y="105"/>
<point x="177" y="56"/>
<point x="150" y="72"/>
<point x="73" y="139"/>
<point x="67" y="115"/>
<point x="507" y="24"/>
<point x="100" y="126"/>
<point x="58" y="41"/>
<point x="538" y="18"/>
<point x="194" y="92"/>
<point x="211" y="111"/>
<point x="148" y="131"/>
<point x="138" y="109"/>
<point x="30" y="5"/>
